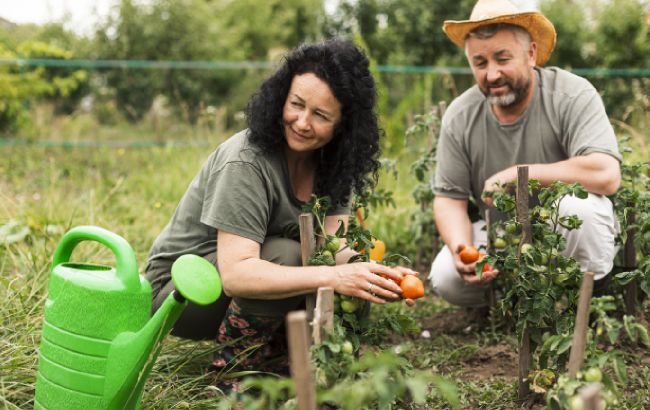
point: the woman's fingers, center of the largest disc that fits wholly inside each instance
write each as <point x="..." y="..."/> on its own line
<point x="406" y="271"/>
<point x="389" y="273"/>
<point x="384" y="288"/>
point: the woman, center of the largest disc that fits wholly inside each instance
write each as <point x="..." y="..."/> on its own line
<point x="311" y="130"/>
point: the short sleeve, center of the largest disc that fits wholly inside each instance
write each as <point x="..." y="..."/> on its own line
<point x="587" y="127"/>
<point x="453" y="173"/>
<point x="237" y="201"/>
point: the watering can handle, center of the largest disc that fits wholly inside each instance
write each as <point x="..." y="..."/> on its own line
<point x="127" y="267"/>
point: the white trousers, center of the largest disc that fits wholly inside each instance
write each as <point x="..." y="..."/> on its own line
<point x="592" y="245"/>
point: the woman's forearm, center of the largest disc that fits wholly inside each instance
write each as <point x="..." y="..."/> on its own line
<point x="260" y="279"/>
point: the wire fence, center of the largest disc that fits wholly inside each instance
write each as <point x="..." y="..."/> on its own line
<point x="265" y="65"/>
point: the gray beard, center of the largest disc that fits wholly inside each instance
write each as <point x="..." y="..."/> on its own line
<point x="513" y="97"/>
<point x="503" y="100"/>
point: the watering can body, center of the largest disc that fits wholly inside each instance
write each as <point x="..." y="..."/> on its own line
<point x="99" y="340"/>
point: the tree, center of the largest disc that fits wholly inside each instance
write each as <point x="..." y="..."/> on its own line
<point x="574" y="47"/>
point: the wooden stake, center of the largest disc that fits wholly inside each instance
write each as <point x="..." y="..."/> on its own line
<point x="629" y="260"/>
<point x="523" y="214"/>
<point x="323" y="314"/>
<point x="523" y="218"/>
<point x="525" y="357"/>
<point x="577" y="355"/>
<point x="591" y="396"/>
<point x="299" y="360"/>
<point x="307" y="248"/>
<point x="492" y="300"/>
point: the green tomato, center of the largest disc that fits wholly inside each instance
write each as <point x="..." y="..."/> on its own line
<point x="544" y="259"/>
<point x="347" y="347"/>
<point x="328" y="258"/>
<point x="544" y="280"/>
<point x="560" y="278"/>
<point x="544" y="214"/>
<point x="576" y="403"/>
<point x="500" y="243"/>
<point x="333" y="243"/>
<point x="349" y="306"/>
<point x="593" y="374"/>
<point x="526" y="248"/>
<point x="511" y="228"/>
<point x="515" y="240"/>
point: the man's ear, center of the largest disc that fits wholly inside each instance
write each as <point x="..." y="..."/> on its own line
<point x="532" y="54"/>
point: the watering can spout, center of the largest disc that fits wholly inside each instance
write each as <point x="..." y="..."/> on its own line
<point x="132" y="354"/>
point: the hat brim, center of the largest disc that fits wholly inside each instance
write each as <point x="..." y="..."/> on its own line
<point x="540" y="28"/>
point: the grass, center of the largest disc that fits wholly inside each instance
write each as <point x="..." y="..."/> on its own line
<point x="133" y="192"/>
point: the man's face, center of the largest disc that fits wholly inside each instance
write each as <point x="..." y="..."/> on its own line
<point x="502" y="67"/>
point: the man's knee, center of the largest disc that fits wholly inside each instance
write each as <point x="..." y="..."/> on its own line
<point x="593" y="244"/>
<point x="595" y="210"/>
<point x="447" y="283"/>
<point x="282" y="251"/>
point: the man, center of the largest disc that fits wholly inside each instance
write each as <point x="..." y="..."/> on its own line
<point x="519" y="113"/>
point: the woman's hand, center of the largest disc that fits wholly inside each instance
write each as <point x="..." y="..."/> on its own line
<point x="370" y="281"/>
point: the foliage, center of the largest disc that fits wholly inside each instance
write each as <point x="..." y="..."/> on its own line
<point x="632" y="204"/>
<point x="426" y="127"/>
<point x="21" y="85"/>
<point x="196" y="30"/>
<point x="574" y="46"/>
<point x="401" y="31"/>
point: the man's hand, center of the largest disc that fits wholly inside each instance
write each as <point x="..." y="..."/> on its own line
<point x="468" y="271"/>
<point x="495" y="182"/>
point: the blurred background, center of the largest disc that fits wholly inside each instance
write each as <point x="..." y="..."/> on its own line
<point x="153" y="71"/>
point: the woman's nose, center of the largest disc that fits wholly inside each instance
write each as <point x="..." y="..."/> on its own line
<point x="303" y="120"/>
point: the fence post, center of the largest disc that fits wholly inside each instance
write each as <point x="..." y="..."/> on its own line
<point x="299" y="360"/>
<point x="523" y="218"/>
<point x="307" y="247"/>
<point x="577" y="355"/>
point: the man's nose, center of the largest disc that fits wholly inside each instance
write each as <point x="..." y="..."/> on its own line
<point x="493" y="73"/>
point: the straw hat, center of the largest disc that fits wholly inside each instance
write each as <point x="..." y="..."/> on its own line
<point x="502" y="11"/>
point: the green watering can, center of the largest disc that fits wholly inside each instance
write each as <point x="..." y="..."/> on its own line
<point x="99" y="340"/>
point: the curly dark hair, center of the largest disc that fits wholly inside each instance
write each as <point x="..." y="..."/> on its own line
<point x="350" y="158"/>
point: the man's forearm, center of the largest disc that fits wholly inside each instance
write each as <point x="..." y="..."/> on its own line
<point x="598" y="173"/>
<point x="452" y="222"/>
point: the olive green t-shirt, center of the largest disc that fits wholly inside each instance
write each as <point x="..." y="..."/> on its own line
<point x="239" y="190"/>
<point x="566" y="118"/>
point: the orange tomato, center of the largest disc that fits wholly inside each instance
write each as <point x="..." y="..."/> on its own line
<point x="469" y="255"/>
<point x="487" y="266"/>
<point x="377" y="253"/>
<point x="412" y="287"/>
<point x="359" y="213"/>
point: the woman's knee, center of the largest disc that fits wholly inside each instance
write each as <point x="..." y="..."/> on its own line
<point x="282" y="251"/>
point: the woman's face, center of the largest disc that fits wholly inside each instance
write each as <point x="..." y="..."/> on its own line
<point x="310" y="113"/>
